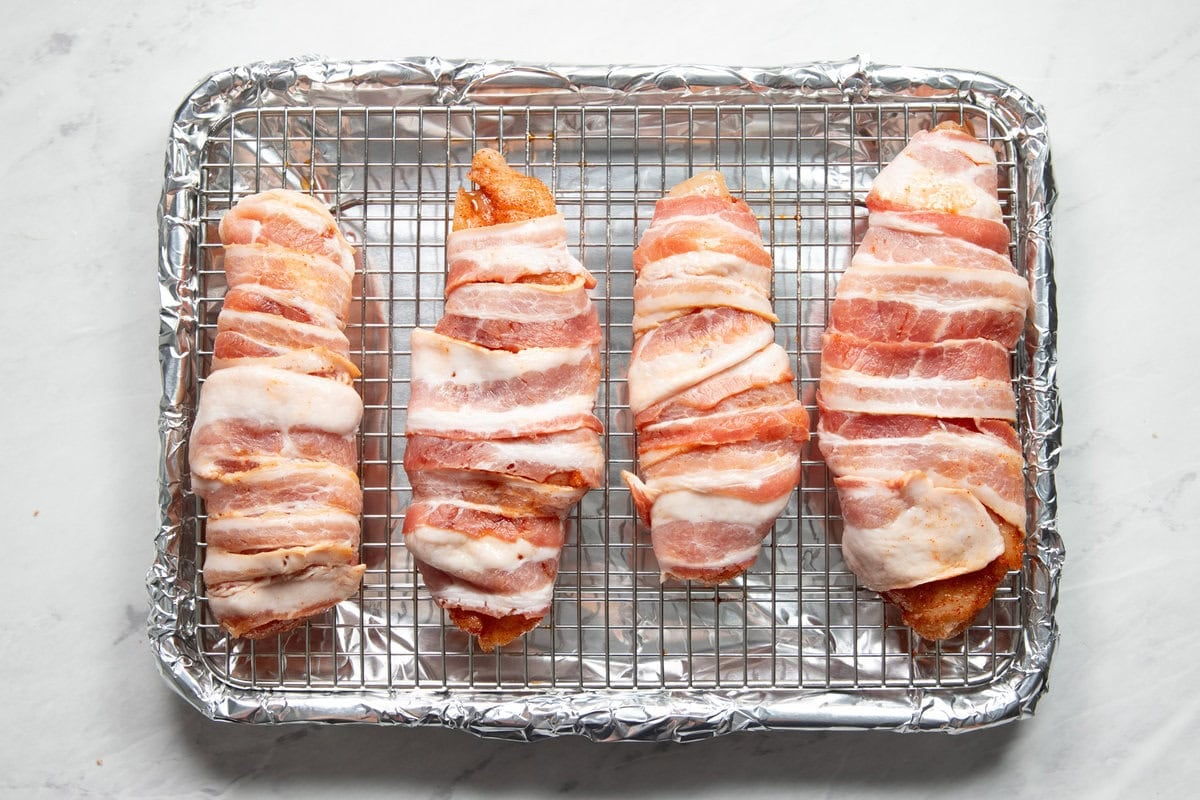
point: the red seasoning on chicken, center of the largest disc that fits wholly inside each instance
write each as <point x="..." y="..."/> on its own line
<point x="501" y="438"/>
<point x="916" y="401"/>
<point x="714" y="399"/>
<point x="272" y="450"/>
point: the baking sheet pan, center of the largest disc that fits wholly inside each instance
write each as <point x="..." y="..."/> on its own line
<point x="794" y="644"/>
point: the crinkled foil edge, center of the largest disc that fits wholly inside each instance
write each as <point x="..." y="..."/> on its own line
<point x="602" y="715"/>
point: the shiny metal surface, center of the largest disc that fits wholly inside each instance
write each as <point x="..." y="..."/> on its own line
<point x="795" y="643"/>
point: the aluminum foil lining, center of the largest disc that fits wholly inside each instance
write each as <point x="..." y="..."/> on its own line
<point x="796" y="644"/>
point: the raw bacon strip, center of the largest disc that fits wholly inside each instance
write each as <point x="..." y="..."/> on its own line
<point x="980" y="456"/>
<point x="945" y="169"/>
<point x="532" y="391"/>
<point x="771" y="413"/>
<point x="289" y="220"/>
<point x="317" y="361"/>
<point x="567" y="458"/>
<point x="905" y="287"/>
<point x="958" y="378"/>
<point x="315" y="278"/>
<point x="273" y="332"/>
<point x="700" y="215"/>
<point x="887" y="244"/>
<point x="258" y="608"/>
<point x="909" y="531"/>
<point x="943" y="181"/>
<point x="714" y="400"/>
<point x="282" y="487"/>
<point x="685" y="351"/>
<point x="532" y="250"/>
<point x="272" y="450"/>
<point x="274" y="531"/>
<point x="289" y="272"/>
<point x="225" y="566"/>
<point x="518" y="316"/>
<point x="536" y="475"/>
<point x="709" y="264"/>
<point x="505" y="565"/>
<point x="659" y="301"/>
<point x="916" y="398"/>
<point x="769" y="367"/>
<point x="501" y="438"/>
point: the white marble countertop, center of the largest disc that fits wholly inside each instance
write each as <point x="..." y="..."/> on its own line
<point x="86" y="94"/>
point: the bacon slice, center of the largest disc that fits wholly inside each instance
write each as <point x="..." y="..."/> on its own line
<point x="956" y="378"/>
<point x="536" y="475"/>
<point x="501" y="438"/>
<point x="272" y="450"/>
<point x="916" y="401"/>
<point x="290" y="220"/>
<point x="980" y="456"/>
<point x="942" y="183"/>
<point x="908" y="287"/>
<point x="480" y="559"/>
<point x="690" y="349"/>
<point x="289" y="272"/>
<point x="316" y="278"/>
<point x="519" y="316"/>
<point x="532" y="391"/>
<point x="714" y="400"/>
<point x="532" y="250"/>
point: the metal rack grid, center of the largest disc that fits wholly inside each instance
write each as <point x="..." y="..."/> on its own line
<point x="797" y="619"/>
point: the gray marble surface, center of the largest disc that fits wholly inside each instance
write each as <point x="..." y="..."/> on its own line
<point x="86" y="95"/>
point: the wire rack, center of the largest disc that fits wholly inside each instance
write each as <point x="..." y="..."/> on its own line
<point x="797" y="619"/>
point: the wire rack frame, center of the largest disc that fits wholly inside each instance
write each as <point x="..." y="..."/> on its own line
<point x="797" y="619"/>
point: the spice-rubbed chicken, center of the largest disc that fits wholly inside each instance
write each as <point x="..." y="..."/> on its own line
<point x="501" y="438"/>
<point x="272" y="449"/>
<point x="714" y="399"/>
<point x="916" y="401"/>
